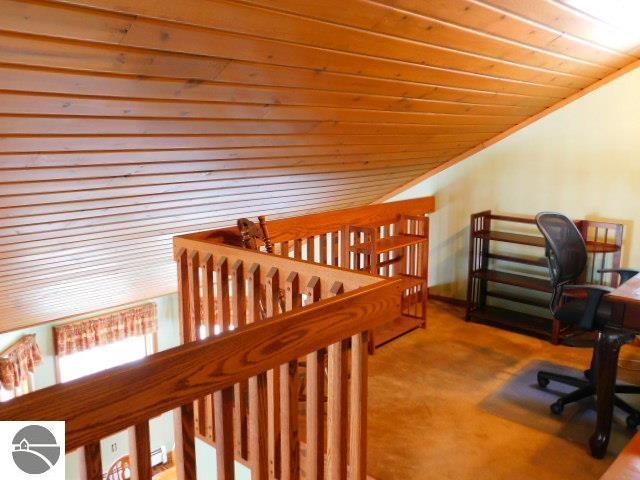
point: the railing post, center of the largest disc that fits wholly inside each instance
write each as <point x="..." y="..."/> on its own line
<point x="358" y="417"/>
<point x="140" y="451"/>
<point x="337" y="408"/>
<point x="258" y="428"/>
<point x="289" y="441"/>
<point x="315" y="401"/>
<point x="239" y="314"/>
<point x="185" y="451"/>
<point x="273" y="379"/>
<point x="90" y="462"/>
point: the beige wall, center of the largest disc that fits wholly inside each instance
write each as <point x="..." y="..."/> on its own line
<point x="583" y="160"/>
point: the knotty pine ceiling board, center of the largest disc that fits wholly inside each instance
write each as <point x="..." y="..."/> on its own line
<point x="125" y="122"/>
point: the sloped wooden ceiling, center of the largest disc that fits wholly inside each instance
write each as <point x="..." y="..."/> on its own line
<point x="123" y="122"/>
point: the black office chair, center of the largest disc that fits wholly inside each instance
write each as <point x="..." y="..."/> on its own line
<point x="567" y="255"/>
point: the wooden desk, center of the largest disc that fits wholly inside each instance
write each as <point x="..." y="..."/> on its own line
<point x="627" y="465"/>
<point x="608" y="350"/>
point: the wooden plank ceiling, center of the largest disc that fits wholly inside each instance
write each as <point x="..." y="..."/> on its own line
<point x="124" y="122"/>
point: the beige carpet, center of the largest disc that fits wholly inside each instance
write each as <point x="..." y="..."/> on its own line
<point x="444" y="404"/>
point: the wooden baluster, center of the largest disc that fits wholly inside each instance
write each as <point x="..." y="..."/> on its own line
<point x="273" y="379"/>
<point x="289" y="441"/>
<point x="345" y="257"/>
<point x="224" y="314"/>
<point x="311" y="249"/>
<point x="183" y="416"/>
<point x="140" y="451"/>
<point x="297" y="249"/>
<point x="323" y="249"/>
<point x="209" y="321"/>
<point x="358" y="414"/>
<point x="315" y="400"/>
<point x="239" y="319"/>
<point x="223" y="400"/>
<point x="285" y="249"/>
<point x="90" y="459"/>
<point x="183" y="293"/>
<point x="258" y="429"/>
<point x="185" y="450"/>
<point x="337" y="409"/>
<point x="335" y="248"/>
<point x="425" y="272"/>
<point x="195" y="324"/>
<point x="194" y="297"/>
<point x="208" y="299"/>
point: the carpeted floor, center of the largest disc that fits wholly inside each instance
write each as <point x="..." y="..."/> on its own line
<point x="459" y="401"/>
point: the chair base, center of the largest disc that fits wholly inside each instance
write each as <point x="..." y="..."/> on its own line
<point x="585" y="387"/>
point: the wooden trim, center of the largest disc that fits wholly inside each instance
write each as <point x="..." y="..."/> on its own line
<point x="501" y="136"/>
<point x="450" y="300"/>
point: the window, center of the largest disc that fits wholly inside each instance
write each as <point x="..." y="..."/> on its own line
<point x="25" y="387"/>
<point x="102" y="357"/>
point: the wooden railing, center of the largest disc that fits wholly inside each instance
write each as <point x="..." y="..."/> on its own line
<point x="325" y="238"/>
<point x="245" y="378"/>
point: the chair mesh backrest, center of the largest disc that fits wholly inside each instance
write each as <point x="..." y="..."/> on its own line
<point x="566" y="250"/>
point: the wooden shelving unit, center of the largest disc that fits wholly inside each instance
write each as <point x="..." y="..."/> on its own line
<point x="524" y="307"/>
<point x="399" y="249"/>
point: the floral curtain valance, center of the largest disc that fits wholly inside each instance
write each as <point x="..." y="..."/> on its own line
<point x="96" y="331"/>
<point x="17" y="361"/>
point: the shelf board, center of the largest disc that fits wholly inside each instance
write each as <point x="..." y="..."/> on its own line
<point x="534" y="302"/>
<point x="536" y="241"/>
<point x="523" y="281"/>
<point x="601" y="247"/>
<point x="536" y="262"/>
<point x="390" y="243"/>
<point x="520" y="239"/>
<point x="520" y="322"/>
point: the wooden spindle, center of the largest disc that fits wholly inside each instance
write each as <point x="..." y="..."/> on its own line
<point x="140" y="451"/>
<point x="323" y="249"/>
<point x="195" y="323"/>
<point x="315" y="400"/>
<point x="194" y="297"/>
<point x="183" y="294"/>
<point x="311" y="249"/>
<point x="335" y="248"/>
<point x="297" y="249"/>
<point x="273" y="379"/>
<point x="239" y="319"/>
<point x="208" y="297"/>
<point x="289" y="441"/>
<point x="337" y="417"/>
<point x="185" y="450"/>
<point x="225" y="447"/>
<point x="284" y="250"/>
<point x="223" y="304"/>
<point x="358" y="414"/>
<point x="258" y="428"/>
<point x="90" y="461"/>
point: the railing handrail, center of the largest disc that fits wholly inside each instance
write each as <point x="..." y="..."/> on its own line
<point x="304" y="226"/>
<point x="110" y="401"/>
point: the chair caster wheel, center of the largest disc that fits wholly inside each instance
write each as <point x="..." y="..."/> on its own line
<point x="557" y="408"/>
<point x="543" y="381"/>
<point x="632" y="422"/>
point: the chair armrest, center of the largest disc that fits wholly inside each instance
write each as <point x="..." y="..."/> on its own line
<point x="625" y="273"/>
<point x="594" y="297"/>
<point x="590" y="287"/>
